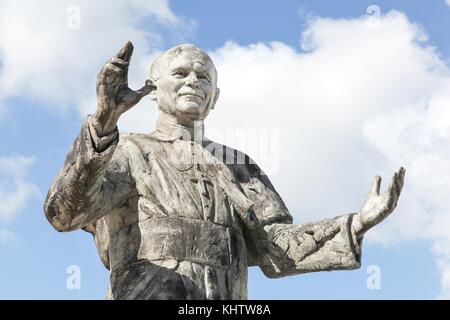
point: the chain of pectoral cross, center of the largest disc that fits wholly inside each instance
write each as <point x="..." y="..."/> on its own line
<point x="202" y="180"/>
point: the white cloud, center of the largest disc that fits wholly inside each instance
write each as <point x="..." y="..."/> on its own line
<point x="46" y="58"/>
<point x="15" y="188"/>
<point x="448" y="2"/>
<point x="365" y="98"/>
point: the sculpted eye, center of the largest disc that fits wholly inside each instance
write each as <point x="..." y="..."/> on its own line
<point x="203" y="76"/>
<point x="180" y="74"/>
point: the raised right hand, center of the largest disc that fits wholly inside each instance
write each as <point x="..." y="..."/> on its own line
<point x="114" y="97"/>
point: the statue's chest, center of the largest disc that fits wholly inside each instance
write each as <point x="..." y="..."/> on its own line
<point x="181" y="179"/>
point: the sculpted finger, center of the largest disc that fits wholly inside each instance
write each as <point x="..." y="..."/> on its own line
<point x="126" y="52"/>
<point x="398" y="184"/>
<point x="130" y="98"/>
<point x="103" y="92"/>
<point x="101" y="77"/>
<point x="392" y="184"/>
<point x="145" y="90"/>
<point x="119" y="62"/>
<point x="401" y="179"/>
<point x="392" y="193"/>
<point x="111" y="68"/>
<point x="376" y="183"/>
<point x="108" y="74"/>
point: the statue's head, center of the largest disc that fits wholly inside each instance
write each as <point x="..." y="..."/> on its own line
<point x="186" y="82"/>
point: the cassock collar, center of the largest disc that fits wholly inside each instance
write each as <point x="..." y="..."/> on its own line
<point x="171" y="132"/>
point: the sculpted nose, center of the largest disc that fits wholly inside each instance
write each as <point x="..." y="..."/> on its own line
<point x="192" y="80"/>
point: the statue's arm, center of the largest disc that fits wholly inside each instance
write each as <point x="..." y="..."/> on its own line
<point x="334" y="244"/>
<point x="96" y="176"/>
<point x="287" y="249"/>
<point x="281" y="248"/>
<point x="94" y="179"/>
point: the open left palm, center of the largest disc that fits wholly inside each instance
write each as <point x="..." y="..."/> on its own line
<point x="377" y="207"/>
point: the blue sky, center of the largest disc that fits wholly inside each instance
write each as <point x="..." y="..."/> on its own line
<point x="349" y="98"/>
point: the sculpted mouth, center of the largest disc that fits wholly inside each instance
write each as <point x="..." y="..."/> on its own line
<point x="192" y="94"/>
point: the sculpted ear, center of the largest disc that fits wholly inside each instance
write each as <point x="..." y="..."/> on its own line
<point x="214" y="99"/>
<point x="152" y="93"/>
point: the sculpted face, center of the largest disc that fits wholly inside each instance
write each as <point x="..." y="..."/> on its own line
<point x="186" y="79"/>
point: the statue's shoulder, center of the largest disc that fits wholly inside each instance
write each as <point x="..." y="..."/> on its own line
<point x="251" y="178"/>
<point x="137" y="140"/>
<point x="137" y="148"/>
<point x="133" y="136"/>
<point x="240" y="163"/>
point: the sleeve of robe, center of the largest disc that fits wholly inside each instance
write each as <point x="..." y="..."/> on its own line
<point x="281" y="248"/>
<point x="95" y="179"/>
